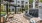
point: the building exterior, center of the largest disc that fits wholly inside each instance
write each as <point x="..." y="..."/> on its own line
<point x="18" y="3"/>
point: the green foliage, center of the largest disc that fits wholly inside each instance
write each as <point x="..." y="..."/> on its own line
<point x="26" y="7"/>
<point x="40" y="0"/>
<point x="3" y="12"/>
<point x="30" y="1"/>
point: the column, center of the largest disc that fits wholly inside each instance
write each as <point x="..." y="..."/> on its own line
<point x="33" y="4"/>
<point x="28" y="6"/>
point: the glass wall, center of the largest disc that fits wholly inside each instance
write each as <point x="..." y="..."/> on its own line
<point x="3" y="9"/>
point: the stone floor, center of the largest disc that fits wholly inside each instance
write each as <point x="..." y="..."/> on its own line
<point x="18" y="18"/>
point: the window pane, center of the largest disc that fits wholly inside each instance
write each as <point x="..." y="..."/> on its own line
<point x="18" y="1"/>
<point x="26" y="2"/>
<point x="3" y="10"/>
